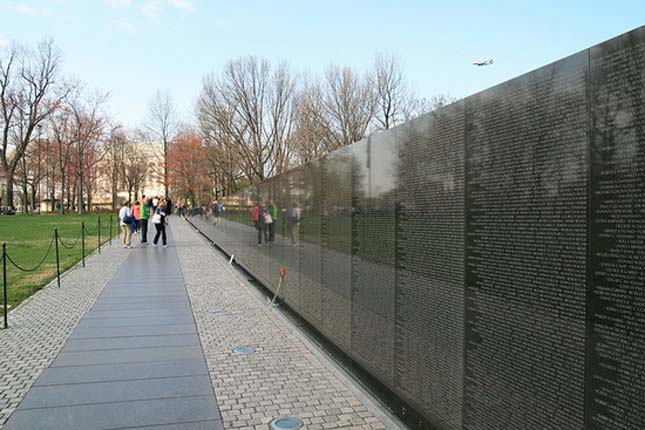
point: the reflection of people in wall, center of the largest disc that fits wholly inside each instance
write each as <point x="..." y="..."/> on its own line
<point x="273" y="210"/>
<point x="293" y="221"/>
<point x="255" y="217"/>
<point x="266" y="225"/>
<point x="219" y="208"/>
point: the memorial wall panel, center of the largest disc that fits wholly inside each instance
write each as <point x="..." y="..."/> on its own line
<point x="373" y="260"/>
<point x="288" y="202"/>
<point x="526" y="211"/>
<point x="336" y="233"/>
<point x="616" y="366"/>
<point x="310" y="253"/>
<point x="430" y="264"/>
<point x="486" y="261"/>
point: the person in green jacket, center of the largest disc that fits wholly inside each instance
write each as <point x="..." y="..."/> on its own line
<point x="273" y="210"/>
<point x="145" y="214"/>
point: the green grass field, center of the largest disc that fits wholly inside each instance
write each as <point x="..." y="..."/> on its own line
<point x="28" y="237"/>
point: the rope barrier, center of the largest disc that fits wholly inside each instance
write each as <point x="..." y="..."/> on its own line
<point x="22" y="269"/>
<point x="70" y="246"/>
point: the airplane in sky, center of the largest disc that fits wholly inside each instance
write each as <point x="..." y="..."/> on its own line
<point x="483" y="63"/>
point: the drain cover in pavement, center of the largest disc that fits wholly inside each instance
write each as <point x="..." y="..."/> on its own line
<point x="286" y="424"/>
<point x="223" y="312"/>
<point x="243" y="350"/>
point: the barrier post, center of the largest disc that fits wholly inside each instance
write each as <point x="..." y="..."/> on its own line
<point x="4" y="283"/>
<point x="83" y="241"/>
<point x="57" y="257"/>
<point x="99" y="230"/>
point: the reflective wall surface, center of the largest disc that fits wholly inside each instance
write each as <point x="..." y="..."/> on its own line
<point x="484" y="262"/>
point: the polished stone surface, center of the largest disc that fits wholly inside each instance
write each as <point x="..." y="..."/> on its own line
<point x="485" y="261"/>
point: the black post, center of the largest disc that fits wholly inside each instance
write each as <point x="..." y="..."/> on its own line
<point x="83" y="241"/>
<point x="4" y="283"/>
<point x="110" y="229"/>
<point x="57" y="257"/>
<point x="99" y="230"/>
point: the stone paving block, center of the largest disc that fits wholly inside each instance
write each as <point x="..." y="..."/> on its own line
<point x="97" y="332"/>
<point x="136" y="298"/>
<point x="119" y="391"/>
<point x="116" y="415"/>
<point x="138" y="321"/>
<point x="174" y="340"/>
<point x="201" y="425"/>
<point x="178" y="306"/>
<point x="115" y="356"/>
<point x="131" y="313"/>
<point x="116" y="372"/>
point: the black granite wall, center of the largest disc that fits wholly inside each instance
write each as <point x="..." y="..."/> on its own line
<point x="485" y="262"/>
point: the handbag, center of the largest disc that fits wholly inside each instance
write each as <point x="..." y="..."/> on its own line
<point x="156" y="218"/>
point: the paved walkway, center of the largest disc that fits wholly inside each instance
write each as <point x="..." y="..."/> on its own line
<point x="133" y="361"/>
<point x="149" y="352"/>
<point x="41" y="324"/>
<point x="288" y="374"/>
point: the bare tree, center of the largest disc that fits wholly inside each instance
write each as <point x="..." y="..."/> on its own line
<point x="163" y="124"/>
<point x="29" y="93"/>
<point x="134" y="164"/>
<point x="60" y="129"/>
<point x="392" y="92"/>
<point x="87" y="126"/>
<point x="312" y="128"/>
<point x="250" y="109"/>
<point x="114" y="161"/>
<point x="415" y="106"/>
<point x="349" y="101"/>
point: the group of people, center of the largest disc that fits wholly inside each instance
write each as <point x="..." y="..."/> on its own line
<point x="265" y="218"/>
<point x="135" y="220"/>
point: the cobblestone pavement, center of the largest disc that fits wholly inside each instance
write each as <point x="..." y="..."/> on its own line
<point x="39" y="327"/>
<point x="286" y="376"/>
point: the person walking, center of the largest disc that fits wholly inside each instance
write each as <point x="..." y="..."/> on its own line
<point x="159" y="220"/>
<point x="136" y="212"/>
<point x="180" y="208"/>
<point x="145" y="214"/>
<point x="125" y="214"/>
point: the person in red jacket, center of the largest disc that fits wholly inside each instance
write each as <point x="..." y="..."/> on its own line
<point x="255" y="217"/>
<point x="136" y="212"/>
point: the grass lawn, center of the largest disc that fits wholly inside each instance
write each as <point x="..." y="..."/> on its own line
<point x="28" y="237"/>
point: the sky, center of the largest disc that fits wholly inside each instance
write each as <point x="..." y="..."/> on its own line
<point x="133" y="48"/>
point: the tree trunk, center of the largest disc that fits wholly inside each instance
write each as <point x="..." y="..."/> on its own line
<point x="89" y="198"/>
<point x="33" y="199"/>
<point x="9" y="181"/>
<point x="62" y="196"/>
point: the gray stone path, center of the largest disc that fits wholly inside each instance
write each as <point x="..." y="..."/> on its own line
<point x="286" y="376"/>
<point x="133" y="361"/>
<point x="41" y="324"/>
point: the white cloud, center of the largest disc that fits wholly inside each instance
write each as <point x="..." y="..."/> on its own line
<point x="182" y="4"/>
<point x="126" y="26"/>
<point x="118" y="4"/>
<point x="150" y="9"/>
<point x="26" y="9"/>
